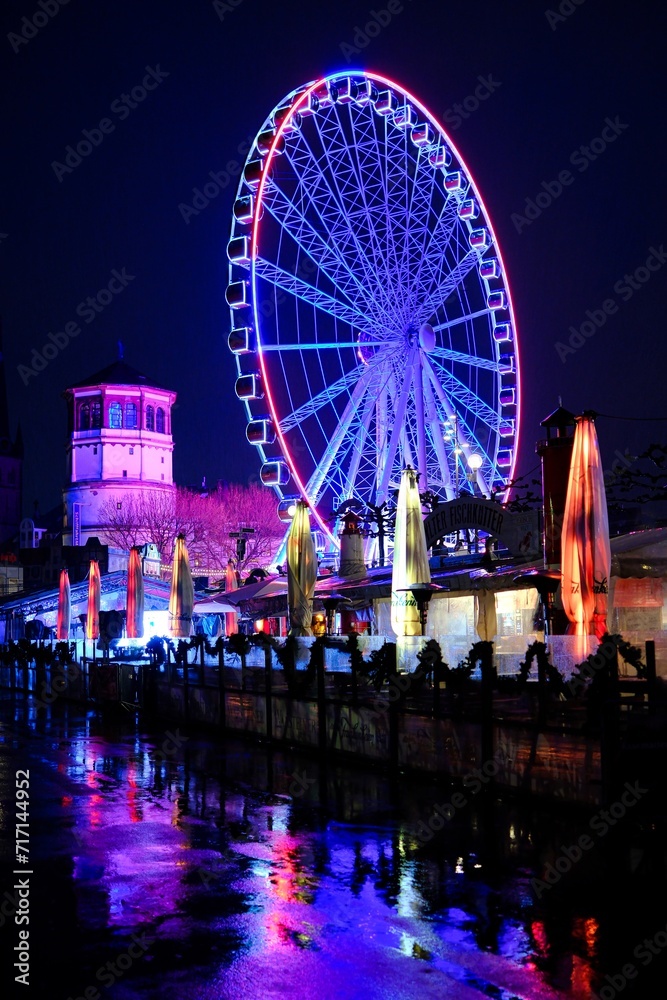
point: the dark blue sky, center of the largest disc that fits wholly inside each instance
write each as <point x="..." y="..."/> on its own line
<point x="218" y="70"/>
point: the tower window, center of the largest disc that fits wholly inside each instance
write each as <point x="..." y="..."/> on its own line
<point x="159" y="420"/>
<point x="84" y="417"/>
<point x="131" y="415"/>
<point x="115" y="415"/>
<point x="95" y="416"/>
<point x="95" y="450"/>
<point x="124" y="473"/>
<point x="150" y="418"/>
<point x="162" y="476"/>
<point x="131" y="451"/>
<point x="162" y="459"/>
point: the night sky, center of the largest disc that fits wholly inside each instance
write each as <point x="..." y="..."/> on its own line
<point x="218" y="69"/>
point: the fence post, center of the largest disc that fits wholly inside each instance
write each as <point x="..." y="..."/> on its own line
<point x="321" y="702"/>
<point x="221" y="684"/>
<point x="610" y="731"/>
<point x="651" y="679"/>
<point x="486" y="665"/>
<point x="268" y="681"/>
<point x="186" y="683"/>
<point x="393" y="716"/>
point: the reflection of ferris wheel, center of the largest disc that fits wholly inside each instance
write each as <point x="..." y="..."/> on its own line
<point x="371" y="319"/>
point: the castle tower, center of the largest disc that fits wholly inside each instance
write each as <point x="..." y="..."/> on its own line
<point x="11" y="467"/>
<point x="556" y="453"/>
<point x="119" y="446"/>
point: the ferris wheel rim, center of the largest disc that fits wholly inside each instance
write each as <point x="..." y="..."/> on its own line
<point x="298" y="99"/>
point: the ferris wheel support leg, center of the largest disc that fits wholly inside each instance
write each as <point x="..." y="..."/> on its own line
<point x="421" y="430"/>
<point x="397" y="429"/>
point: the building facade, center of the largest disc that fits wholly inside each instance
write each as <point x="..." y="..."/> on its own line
<point x="119" y="447"/>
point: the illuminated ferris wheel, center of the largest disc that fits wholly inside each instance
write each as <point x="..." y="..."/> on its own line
<point x="371" y="318"/>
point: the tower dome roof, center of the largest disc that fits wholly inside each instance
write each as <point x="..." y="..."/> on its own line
<point x="120" y="373"/>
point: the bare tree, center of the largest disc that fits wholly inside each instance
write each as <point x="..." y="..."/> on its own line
<point x="206" y="521"/>
<point x="140" y="518"/>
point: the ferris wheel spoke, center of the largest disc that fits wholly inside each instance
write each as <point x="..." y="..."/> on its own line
<point x="335" y="345"/>
<point x="336" y="439"/>
<point x="470" y="443"/>
<point x="372" y="206"/>
<point x="432" y="266"/>
<point x="470" y="360"/>
<point x="432" y="301"/>
<point x="416" y="253"/>
<point x="358" y="437"/>
<point x="296" y="286"/>
<point x="454" y="389"/>
<point x="437" y="440"/>
<point x="422" y="465"/>
<point x="318" y="184"/>
<point x="321" y="253"/>
<point x="323" y="398"/>
<point x="461" y="319"/>
<point x="397" y="428"/>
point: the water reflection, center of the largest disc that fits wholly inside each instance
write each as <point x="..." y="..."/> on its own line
<point x="247" y="889"/>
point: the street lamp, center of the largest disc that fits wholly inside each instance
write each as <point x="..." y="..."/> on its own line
<point x="241" y="537"/>
<point x="475" y="464"/>
<point x="331" y="605"/>
<point x="422" y="593"/>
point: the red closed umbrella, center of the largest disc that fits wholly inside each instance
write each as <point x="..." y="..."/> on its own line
<point x="93" y="610"/>
<point x="135" y="596"/>
<point x="64" y="607"/>
<point x="586" y="554"/>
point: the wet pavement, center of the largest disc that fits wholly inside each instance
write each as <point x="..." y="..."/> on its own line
<point x="169" y="863"/>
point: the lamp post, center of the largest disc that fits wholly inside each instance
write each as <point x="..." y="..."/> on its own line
<point x="241" y="536"/>
<point x="474" y="464"/>
<point x="422" y="593"/>
<point x="331" y="605"/>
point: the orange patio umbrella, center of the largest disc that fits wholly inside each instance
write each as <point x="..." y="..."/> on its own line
<point x="182" y="596"/>
<point x="64" y="607"/>
<point x="586" y="554"/>
<point x="93" y="610"/>
<point x="135" y="596"/>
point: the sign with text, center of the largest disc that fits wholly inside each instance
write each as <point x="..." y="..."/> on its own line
<point x="518" y="532"/>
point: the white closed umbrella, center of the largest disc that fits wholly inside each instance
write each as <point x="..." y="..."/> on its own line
<point x="182" y="596"/>
<point x="486" y="619"/>
<point x="301" y="571"/>
<point x="410" y="560"/>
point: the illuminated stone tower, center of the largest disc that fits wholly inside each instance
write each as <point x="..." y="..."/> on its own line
<point x="119" y="446"/>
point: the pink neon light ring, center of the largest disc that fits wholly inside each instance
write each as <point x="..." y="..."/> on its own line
<point x="349" y="261"/>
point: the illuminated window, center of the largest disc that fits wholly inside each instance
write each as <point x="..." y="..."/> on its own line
<point x="150" y="418"/>
<point x="95" y="416"/>
<point x="84" y="417"/>
<point x="159" y="420"/>
<point x="131" y="415"/>
<point x="115" y="415"/>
